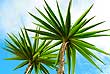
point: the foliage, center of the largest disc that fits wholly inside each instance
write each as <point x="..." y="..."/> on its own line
<point x="36" y="54"/>
<point x="73" y="34"/>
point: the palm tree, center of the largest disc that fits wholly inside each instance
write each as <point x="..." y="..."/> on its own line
<point x="70" y="35"/>
<point x="37" y="55"/>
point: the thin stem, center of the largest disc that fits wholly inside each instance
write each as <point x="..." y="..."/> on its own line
<point x="28" y="68"/>
<point x="61" y="60"/>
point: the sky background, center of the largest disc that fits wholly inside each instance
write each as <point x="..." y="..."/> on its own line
<point x="13" y="15"/>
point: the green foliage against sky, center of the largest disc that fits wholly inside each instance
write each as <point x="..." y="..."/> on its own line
<point x="64" y="32"/>
<point x="72" y="34"/>
<point x="36" y="55"/>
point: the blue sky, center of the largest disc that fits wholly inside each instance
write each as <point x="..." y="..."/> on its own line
<point x="13" y="15"/>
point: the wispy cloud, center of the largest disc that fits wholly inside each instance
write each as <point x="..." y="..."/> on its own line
<point x="12" y="12"/>
<point x="102" y="9"/>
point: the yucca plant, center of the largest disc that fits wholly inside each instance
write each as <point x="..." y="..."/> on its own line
<point x="70" y="35"/>
<point x="36" y="55"/>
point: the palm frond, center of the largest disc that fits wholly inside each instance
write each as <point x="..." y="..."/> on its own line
<point x="35" y="53"/>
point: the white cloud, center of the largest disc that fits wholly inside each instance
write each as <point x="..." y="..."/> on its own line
<point x="102" y="13"/>
<point x="102" y="9"/>
<point x="14" y="13"/>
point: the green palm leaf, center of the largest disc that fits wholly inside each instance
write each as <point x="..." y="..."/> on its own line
<point x="61" y="17"/>
<point x="52" y="13"/>
<point x="82" y="16"/>
<point x="73" y="55"/>
<point x="43" y="33"/>
<point x="44" y="69"/>
<point x="15" y="58"/>
<point x="89" y="27"/>
<point x="85" y="34"/>
<point x="68" y="59"/>
<point x="53" y="21"/>
<point x="68" y="19"/>
<point x="21" y="65"/>
<point x="91" y="54"/>
<point x="50" y="28"/>
<point x="86" y="56"/>
<point x="76" y="28"/>
<point x="87" y="21"/>
<point x="88" y="45"/>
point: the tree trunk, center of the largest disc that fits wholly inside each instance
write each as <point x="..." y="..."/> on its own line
<point x="61" y="59"/>
<point x="28" y="68"/>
